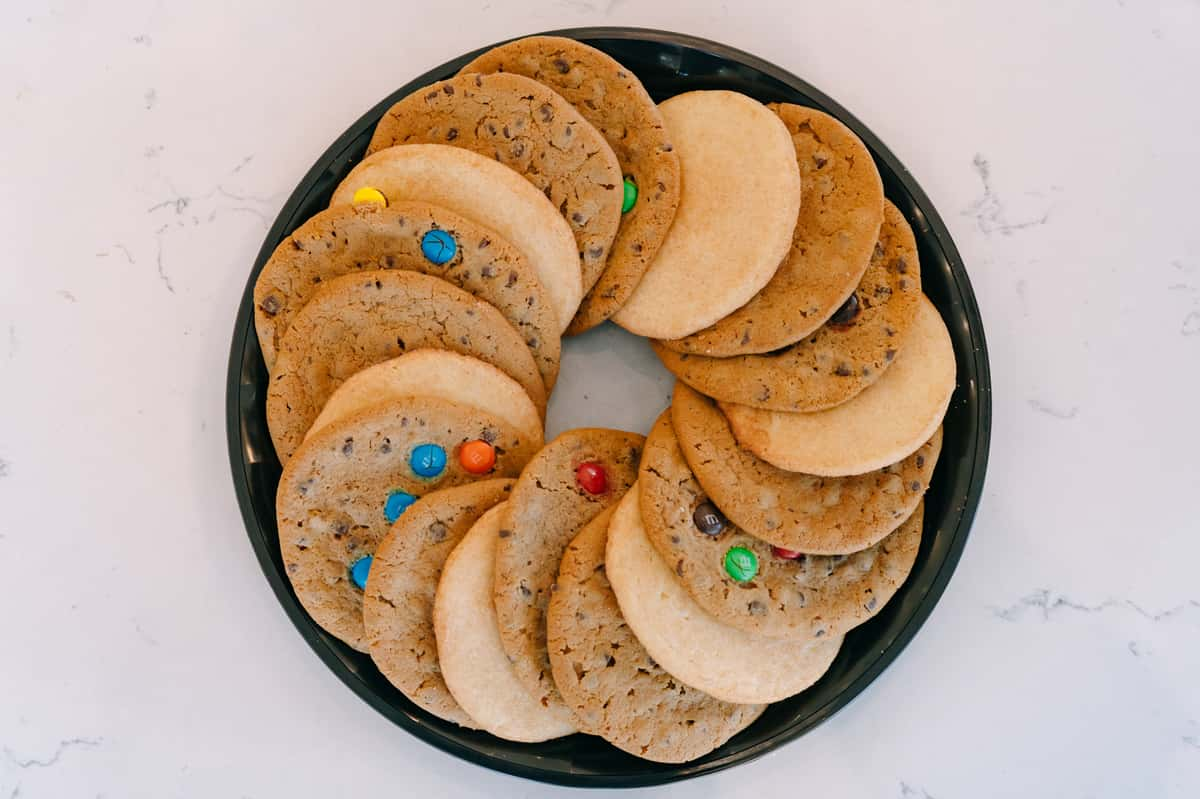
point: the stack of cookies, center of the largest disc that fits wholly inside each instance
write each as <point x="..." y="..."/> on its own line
<point x="655" y="591"/>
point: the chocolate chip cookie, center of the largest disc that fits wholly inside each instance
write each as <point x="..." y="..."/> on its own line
<point x="361" y="319"/>
<point x="610" y="97"/>
<point x="848" y="353"/>
<point x="530" y="129"/>
<point x="573" y="478"/>
<point x="745" y="582"/>
<point x="368" y="236"/>
<point x="798" y="512"/>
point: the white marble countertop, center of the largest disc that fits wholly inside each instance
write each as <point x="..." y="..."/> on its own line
<point x="145" y="146"/>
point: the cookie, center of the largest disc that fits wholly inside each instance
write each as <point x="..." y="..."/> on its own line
<point x="361" y="319"/>
<point x="473" y="662"/>
<point x="798" y="512"/>
<point x="398" y="599"/>
<point x="487" y="193"/>
<point x="348" y="239"/>
<point x="695" y="648"/>
<point x="737" y="209"/>
<point x="573" y="478"/>
<point x="436" y="373"/>
<point x="746" y="583"/>
<point x="530" y="129"/>
<point x="885" y="423"/>
<point x="841" y="209"/>
<point x="341" y="492"/>
<point x="608" y="678"/>
<point x="843" y="357"/>
<point x="612" y="99"/>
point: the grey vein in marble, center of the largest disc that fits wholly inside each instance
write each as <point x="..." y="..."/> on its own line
<point x="989" y="212"/>
<point x="66" y="295"/>
<point x="242" y="165"/>
<point x="1049" y="410"/>
<point x="1191" y="324"/>
<point x="1049" y="605"/>
<point x="153" y="150"/>
<point x="143" y="39"/>
<point x="145" y="636"/>
<point x="60" y="750"/>
<point x="909" y="792"/>
<point x="151" y="97"/>
<point x="4" y="467"/>
<point x="162" y="275"/>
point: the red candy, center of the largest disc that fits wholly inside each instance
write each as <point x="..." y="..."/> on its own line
<point x="591" y="478"/>
<point x="788" y="554"/>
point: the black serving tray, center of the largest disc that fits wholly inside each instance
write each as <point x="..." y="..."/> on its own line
<point x="667" y="63"/>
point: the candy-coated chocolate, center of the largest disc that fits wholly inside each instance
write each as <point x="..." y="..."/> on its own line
<point x="630" y="197"/>
<point x="708" y="519"/>
<point x="787" y="554"/>
<point x="427" y="460"/>
<point x="359" y="571"/>
<point x="741" y="564"/>
<point x="368" y="195"/>
<point x="438" y="246"/>
<point x="592" y="477"/>
<point x="477" y="457"/>
<point x="397" y="502"/>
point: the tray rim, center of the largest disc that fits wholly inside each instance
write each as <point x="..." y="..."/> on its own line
<point x="244" y="329"/>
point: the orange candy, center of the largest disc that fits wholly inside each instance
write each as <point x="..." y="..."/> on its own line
<point x="477" y="457"/>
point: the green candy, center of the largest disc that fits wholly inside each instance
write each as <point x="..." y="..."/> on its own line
<point x="741" y="564"/>
<point x="630" y="196"/>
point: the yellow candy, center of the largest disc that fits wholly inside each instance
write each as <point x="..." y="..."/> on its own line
<point x="370" y="194"/>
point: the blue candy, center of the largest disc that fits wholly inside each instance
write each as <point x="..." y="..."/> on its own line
<point x="359" y="571"/>
<point x="428" y="460"/>
<point x="397" y="503"/>
<point x="438" y="246"/>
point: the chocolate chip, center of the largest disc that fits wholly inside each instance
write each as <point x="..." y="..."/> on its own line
<point x="637" y="248"/>
<point x="577" y="218"/>
<point x="431" y="95"/>
<point x="878" y="250"/>
<point x="745" y="337"/>
<point x="845" y="315"/>
<point x="292" y="568"/>
<point x="820" y="161"/>
<point x="487" y="271"/>
<point x="818" y="633"/>
<point x="764" y="395"/>
<point x="801" y="600"/>
<point x="547" y="112"/>
<point x="757" y="608"/>
<point x="484" y="243"/>
<point x="870" y="604"/>
<point x="437" y="532"/>
<point x="506" y="132"/>
<point x="348" y="446"/>
<point x="478" y="80"/>
<point x="518" y="149"/>
<point x="679" y="567"/>
<point x="400" y="342"/>
<point x="448" y="89"/>
<point x="915" y="485"/>
<point x="708" y="519"/>
<point x="302" y="489"/>
<point x="452" y="134"/>
<point x="561" y="65"/>
<point x="666" y="148"/>
<point x="385" y="446"/>
<point x="524" y="589"/>
<point x="505" y="533"/>
<point x="270" y="306"/>
<point x="903" y="284"/>
<point x="612" y="661"/>
<point x="340" y="529"/>
<point x="902" y="266"/>
<point x="488" y="435"/>
<point x="842" y="370"/>
<point x="512" y="280"/>
<point x="389" y="260"/>
<point x="889" y="355"/>
<point x="920" y="461"/>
